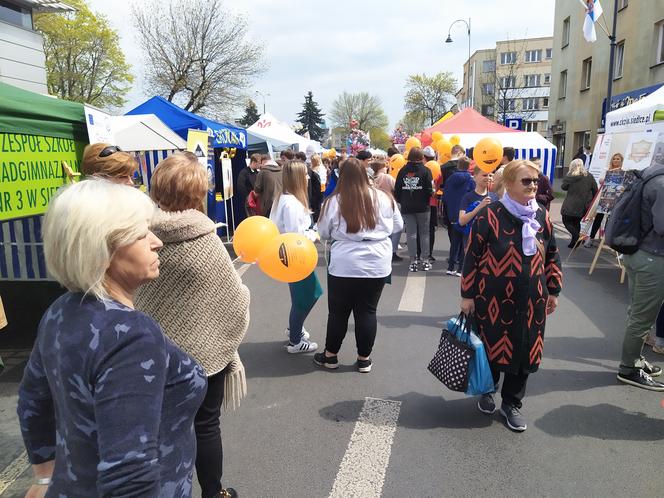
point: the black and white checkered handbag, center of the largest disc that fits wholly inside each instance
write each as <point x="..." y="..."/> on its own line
<point x="451" y="363"/>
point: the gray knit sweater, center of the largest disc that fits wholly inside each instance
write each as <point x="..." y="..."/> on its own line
<point x="199" y="299"/>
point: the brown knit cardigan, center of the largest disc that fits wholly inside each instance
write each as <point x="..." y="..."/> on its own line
<point x="199" y="298"/>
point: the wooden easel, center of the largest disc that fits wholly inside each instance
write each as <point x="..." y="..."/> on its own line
<point x="603" y="246"/>
<point x="69" y="173"/>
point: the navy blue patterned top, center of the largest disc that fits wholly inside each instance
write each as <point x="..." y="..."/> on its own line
<point x="113" y="400"/>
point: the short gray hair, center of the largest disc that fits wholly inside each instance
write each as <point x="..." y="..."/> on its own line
<point x="85" y="224"/>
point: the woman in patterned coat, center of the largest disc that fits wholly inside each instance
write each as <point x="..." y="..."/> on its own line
<point x="511" y="280"/>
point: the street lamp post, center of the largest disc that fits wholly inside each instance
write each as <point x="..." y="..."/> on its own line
<point x="263" y="95"/>
<point x="449" y="40"/>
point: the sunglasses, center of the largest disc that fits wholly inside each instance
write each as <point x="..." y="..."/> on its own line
<point x="111" y="149"/>
<point x="527" y="182"/>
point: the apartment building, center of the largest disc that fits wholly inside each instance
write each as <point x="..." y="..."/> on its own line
<point x="580" y="69"/>
<point x="22" y="59"/>
<point x="511" y="82"/>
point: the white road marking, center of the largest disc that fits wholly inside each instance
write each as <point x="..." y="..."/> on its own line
<point x="241" y="271"/>
<point x="13" y="471"/>
<point x="412" y="298"/>
<point x="362" y="470"/>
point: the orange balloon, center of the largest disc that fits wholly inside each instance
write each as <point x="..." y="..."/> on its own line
<point x="487" y="154"/>
<point x="436" y="135"/>
<point x="251" y="236"/>
<point x="444" y="148"/>
<point x="413" y="142"/>
<point x="455" y="140"/>
<point x="289" y="257"/>
<point x="434" y="167"/>
<point x="444" y="158"/>
<point x="397" y="161"/>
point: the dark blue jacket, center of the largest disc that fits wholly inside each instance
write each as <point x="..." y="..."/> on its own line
<point x="456" y="186"/>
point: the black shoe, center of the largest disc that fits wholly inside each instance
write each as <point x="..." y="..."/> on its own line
<point x="326" y="361"/>
<point x="227" y="493"/>
<point x="650" y="369"/>
<point x="486" y="404"/>
<point x="396" y="257"/>
<point x="513" y="417"/>
<point x="639" y="378"/>
<point x="431" y="259"/>
<point x="364" y="366"/>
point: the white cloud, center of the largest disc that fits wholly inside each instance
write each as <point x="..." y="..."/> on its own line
<point x="356" y="45"/>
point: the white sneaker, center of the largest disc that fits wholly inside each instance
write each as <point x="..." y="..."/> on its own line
<point x="451" y="272"/>
<point x="305" y="334"/>
<point x="458" y="273"/>
<point x="303" y="346"/>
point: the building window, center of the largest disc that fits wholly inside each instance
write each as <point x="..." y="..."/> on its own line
<point x="563" y="84"/>
<point x="549" y="53"/>
<point x="545" y="103"/>
<point x="13" y="14"/>
<point x="488" y="89"/>
<point x="660" y="44"/>
<point x="508" y="58"/>
<point x="586" y="73"/>
<point x="531" y="104"/>
<point x="530" y="126"/>
<point x="532" y="80"/>
<point x="619" y="60"/>
<point x="508" y="82"/>
<point x="533" y="56"/>
<point x="507" y="105"/>
<point x="488" y="66"/>
<point x="487" y="110"/>
<point x="547" y="79"/>
<point x="622" y="4"/>
<point x="566" y="32"/>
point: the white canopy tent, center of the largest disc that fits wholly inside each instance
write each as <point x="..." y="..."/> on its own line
<point x="526" y="146"/>
<point x="638" y="116"/>
<point x="143" y="132"/>
<point x="279" y="135"/>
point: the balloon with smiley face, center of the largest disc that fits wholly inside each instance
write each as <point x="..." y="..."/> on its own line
<point x="487" y="154"/>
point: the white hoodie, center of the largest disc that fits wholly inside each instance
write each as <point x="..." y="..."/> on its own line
<point x="290" y="215"/>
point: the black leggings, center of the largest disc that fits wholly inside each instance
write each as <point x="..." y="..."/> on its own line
<point x="209" y="453"/>
<point x="361" y="296"/>
<point x="514" y="386"/>
<point x="597" y="223"/>
<point x="573" y="226"/>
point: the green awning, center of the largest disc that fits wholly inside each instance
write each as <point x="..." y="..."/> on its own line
<point x="30" y="113"/>
<point x="659" y="116"/>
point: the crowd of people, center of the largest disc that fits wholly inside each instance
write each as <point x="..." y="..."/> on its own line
<point x="123" y="390"/>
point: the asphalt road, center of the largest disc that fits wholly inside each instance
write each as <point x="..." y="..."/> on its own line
<point x="396" y="432"/>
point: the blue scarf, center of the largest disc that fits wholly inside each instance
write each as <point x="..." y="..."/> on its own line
<point x="525" y="213"/>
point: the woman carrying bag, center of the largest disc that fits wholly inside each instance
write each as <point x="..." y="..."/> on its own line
<point x="359" y="219"/>
<point x="290" y="212"/>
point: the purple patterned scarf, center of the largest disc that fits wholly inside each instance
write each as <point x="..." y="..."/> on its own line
<point x="525" y="213"/>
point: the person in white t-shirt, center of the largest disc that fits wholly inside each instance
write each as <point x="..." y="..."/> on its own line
<point x="290" y="212"/>
<point x="359" y="219"/>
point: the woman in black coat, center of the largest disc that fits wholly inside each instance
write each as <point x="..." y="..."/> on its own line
<point x="581" y="188"/>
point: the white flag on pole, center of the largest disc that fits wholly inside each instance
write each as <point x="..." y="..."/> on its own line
<point x="593" y="12"/>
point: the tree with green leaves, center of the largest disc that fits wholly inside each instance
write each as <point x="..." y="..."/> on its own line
<point x="311" y="118"/>
<point x="431" y="95"/>
<point x="414" y="122"/>
<point x="362" y="107"/>
<point x="84" y="62"/>
<point x="250" y="114"/>
<point x="380" y="139"/>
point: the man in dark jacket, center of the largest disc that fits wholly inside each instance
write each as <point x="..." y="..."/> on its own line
<point x="456" y="187"/>
<point x="413" y="189"/>
<point x="247" y="178"/>
<point x="268" y="185"/>
<point x="645" y="270"/>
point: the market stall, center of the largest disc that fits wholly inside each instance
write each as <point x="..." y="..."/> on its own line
<point x="280" y="136"/>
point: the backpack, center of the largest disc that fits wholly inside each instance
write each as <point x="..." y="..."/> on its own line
<point x="623" y="229"/>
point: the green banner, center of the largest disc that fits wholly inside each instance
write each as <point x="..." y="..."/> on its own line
<point x="31" y="171"/>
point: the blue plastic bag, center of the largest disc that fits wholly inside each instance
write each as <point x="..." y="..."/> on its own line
<point x="480" y="380"/>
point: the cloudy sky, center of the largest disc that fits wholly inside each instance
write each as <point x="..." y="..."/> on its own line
<point x="356" y="45"/>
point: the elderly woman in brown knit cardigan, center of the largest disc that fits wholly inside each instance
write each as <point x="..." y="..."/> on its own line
<point x="200" y="302"/>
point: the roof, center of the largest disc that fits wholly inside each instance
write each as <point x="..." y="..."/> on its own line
<point x="469" y="121"/>
<point x="49" y="6"/>
<point x="31" y="113"/>
<point x="180" y="121"/>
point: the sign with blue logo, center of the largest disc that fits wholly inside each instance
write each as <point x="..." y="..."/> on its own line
<point x="514" y="123"/>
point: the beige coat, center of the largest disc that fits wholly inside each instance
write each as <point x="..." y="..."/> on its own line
<point x="199" y="299"/>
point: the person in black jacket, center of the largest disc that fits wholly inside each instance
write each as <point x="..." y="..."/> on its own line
<point x="581" y="188"/>
<point x="413" y="189"/>
<point x="247" y="179"/>
<point x="314" y="194"/>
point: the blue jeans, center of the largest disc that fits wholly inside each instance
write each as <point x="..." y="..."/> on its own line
<point x="456" y="248"/>
<point x="297" y="317"/>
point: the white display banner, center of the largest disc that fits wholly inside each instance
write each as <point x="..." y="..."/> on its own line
<point x="99" y="124"/>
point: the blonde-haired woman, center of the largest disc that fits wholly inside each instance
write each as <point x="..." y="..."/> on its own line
<point x="318" y="166"/>
<point x="615" y="167"/>
<point x="107" y="402"/>
<point x="290" y="212"/>
<point x="581" y="189"/>
<point x="200" y="302"/>
<point x="510" y="300"/>
<point x="109" y="162"/>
